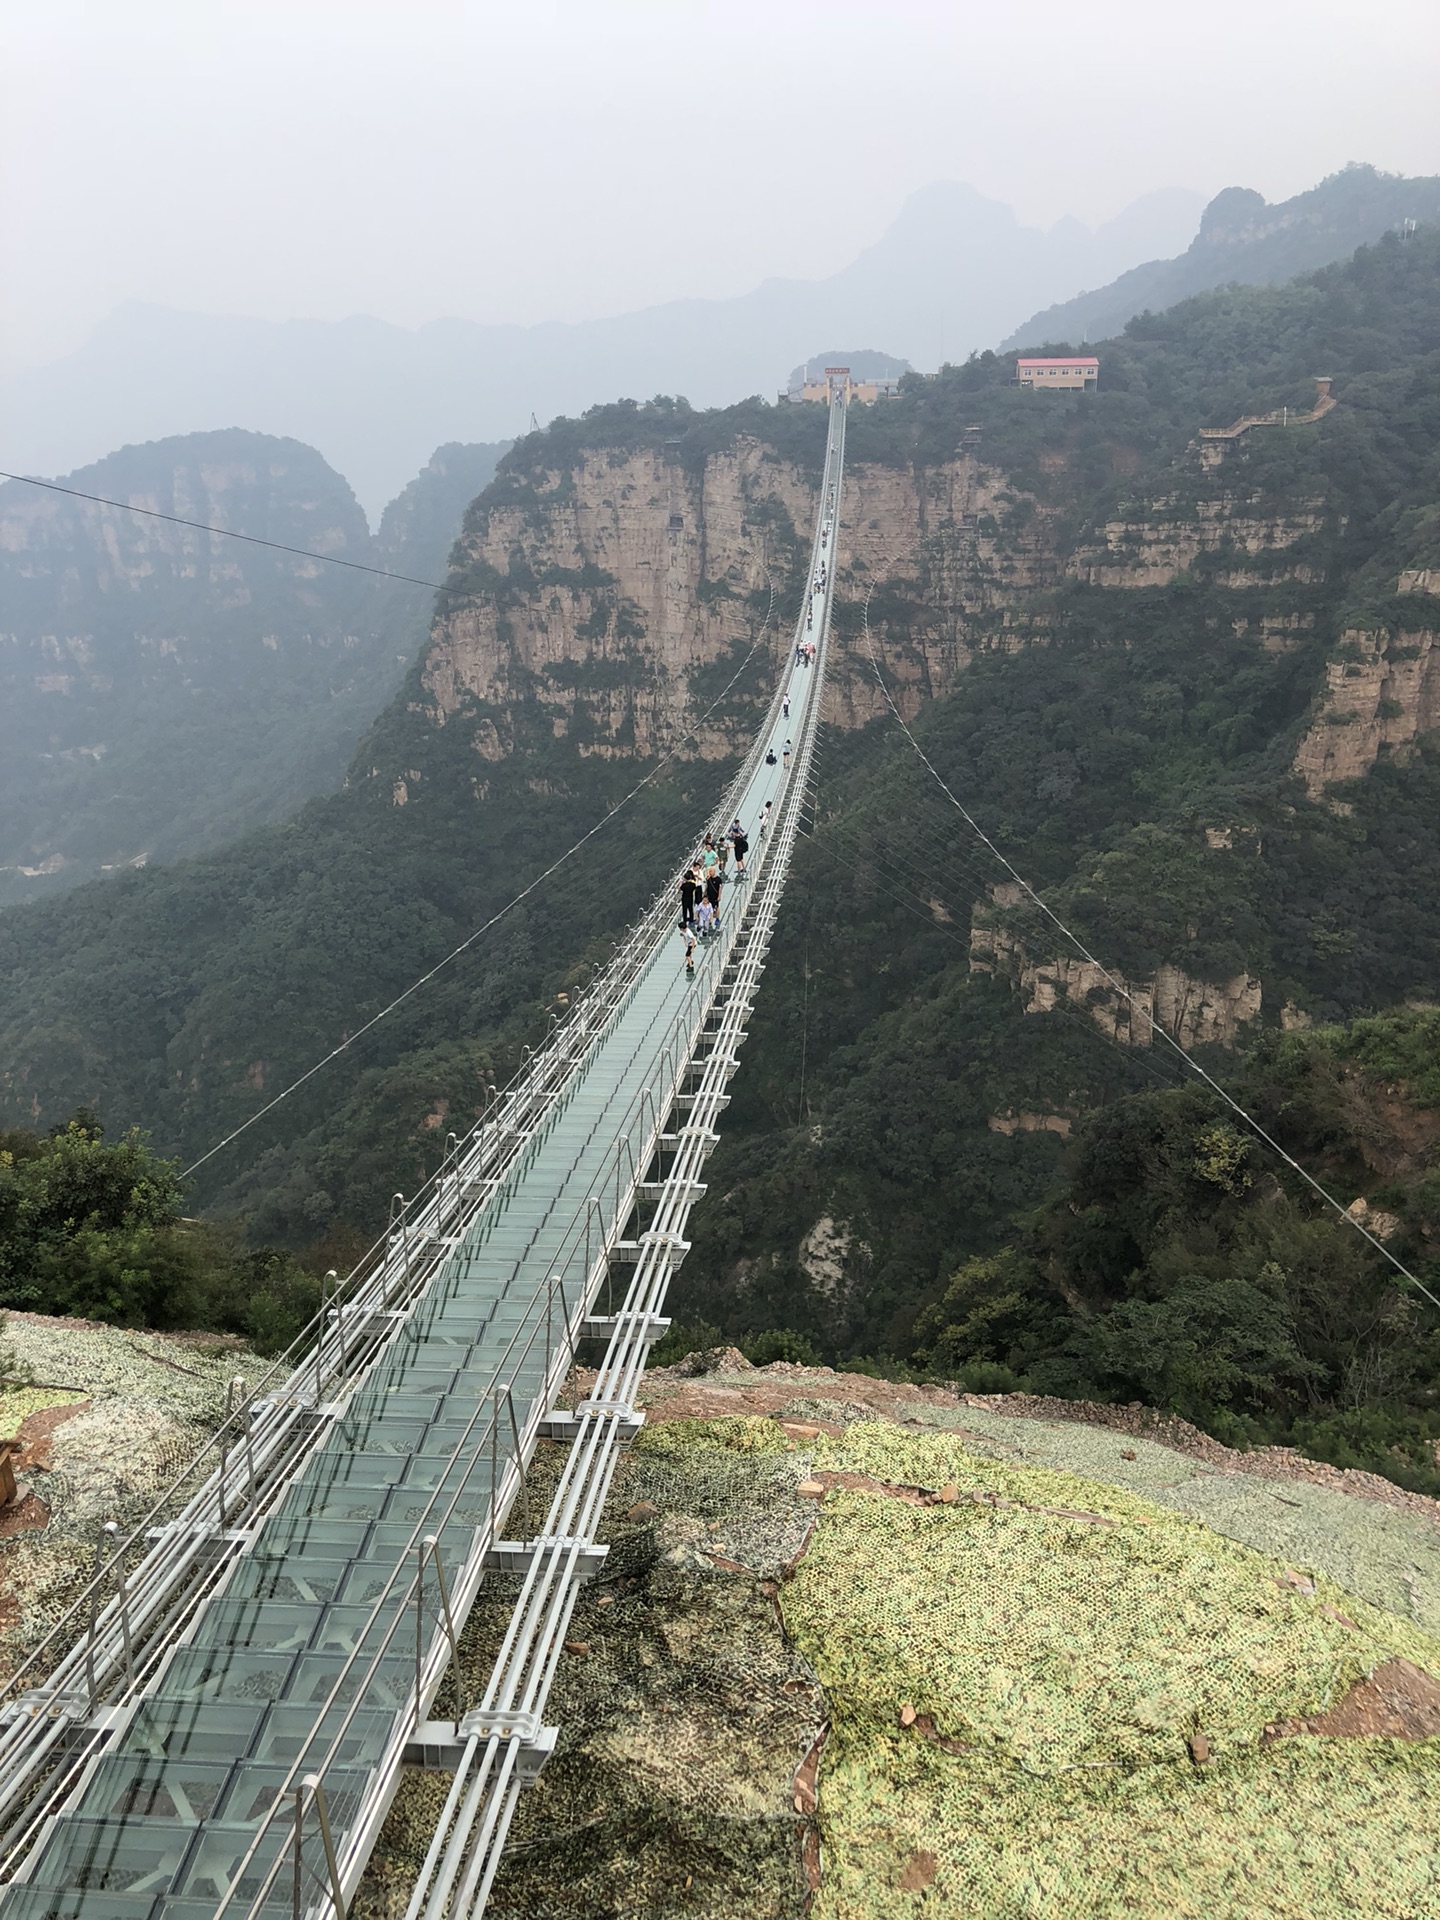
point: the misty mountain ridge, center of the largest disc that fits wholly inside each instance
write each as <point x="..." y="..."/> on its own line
<point x="162" y="689"/>
<point x="952" y="272"/>
<point x="1246" y="240"/>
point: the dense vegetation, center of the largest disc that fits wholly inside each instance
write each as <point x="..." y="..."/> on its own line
<point x="915" y="1169"/>
<point x="93" y="1228"/>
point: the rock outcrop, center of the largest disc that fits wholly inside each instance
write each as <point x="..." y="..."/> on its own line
<point x="608" y="586"/>
<point x="605" y="587"/>
<point x="1169" y="537"/>
<point x="1195" y="1013"/>
<point x="1381" y="695"/>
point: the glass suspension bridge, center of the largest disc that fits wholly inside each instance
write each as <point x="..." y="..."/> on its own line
<point x="217" y="1729"/>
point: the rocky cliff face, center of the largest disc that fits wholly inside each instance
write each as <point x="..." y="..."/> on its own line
<point x="603" y="588"/>
<point x="163" y="688"/>
<point x="1170" y="536"/>
<point x="1381" y="695"/>
<point x="610" y="586"/>
<point x="1196" y="1013"/>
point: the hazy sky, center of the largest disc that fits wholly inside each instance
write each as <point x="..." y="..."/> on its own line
<point x="562" y="159"/>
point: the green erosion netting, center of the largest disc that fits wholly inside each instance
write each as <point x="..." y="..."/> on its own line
<point x="1382" y="1553"/>
<point x="145" y="1406"/>
<point x="1069" y="1661"/>
<point x="1385" y="1554"/>
<point x="1072" y="1661"/>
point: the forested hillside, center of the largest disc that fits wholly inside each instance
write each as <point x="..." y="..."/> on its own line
<point x="1242" y="239"/>
<point x="1185" y="683"/>
<point x="1211" y="754"/>
<point x="163" y="689"/>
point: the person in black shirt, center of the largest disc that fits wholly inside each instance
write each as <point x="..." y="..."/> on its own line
<point x="689" y="894"/>
<point x="740" y="842"/>
<point x="712" y="893"/>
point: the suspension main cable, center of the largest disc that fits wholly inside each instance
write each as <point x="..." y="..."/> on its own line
<point x="1119" y="986"/>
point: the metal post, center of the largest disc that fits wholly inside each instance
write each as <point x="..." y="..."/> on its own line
<point x="452" y="1160"/>
<point x="249" y="1445"/>
<point x="320" y="1340"/>
<point x="419" y="1625"/>
<point x="565" y="1307"/>
<point x="90" y="1650"/>
<point x="112" y="1529"/>
<point x="494" y="1461"/>
<point x="311" y="1784"/>
<point x="434" y="1546"/>
<point x="334" y="1278"/>
<point x="299" y="1836"/>
<point x="519" y="1457"/>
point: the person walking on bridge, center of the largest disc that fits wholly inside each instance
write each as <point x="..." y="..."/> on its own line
<point x="689" y="894"/>
<point x="785" y="707"/>
<point x="713" y="885"/>
<point x="741" y="844"/>
<point x="785" y="756"/>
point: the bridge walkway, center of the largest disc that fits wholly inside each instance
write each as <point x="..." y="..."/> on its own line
<point x="248" y="1770"/>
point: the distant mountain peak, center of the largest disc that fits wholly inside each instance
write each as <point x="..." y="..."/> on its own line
<point x="1230" y="215"/>
<point x="1245" y="238"/>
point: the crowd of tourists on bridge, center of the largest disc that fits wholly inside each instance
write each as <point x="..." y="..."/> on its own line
<point x="702" y="885"/>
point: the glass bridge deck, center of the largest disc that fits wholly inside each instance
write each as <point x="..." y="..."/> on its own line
<point x="163" y="1819"/>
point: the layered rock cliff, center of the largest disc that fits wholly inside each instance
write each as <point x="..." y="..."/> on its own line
<point x="163" y="688"/>
<point x="605" y="587"/>
<point x="1381" y="696"/>
<point x="1193" y="1012"/>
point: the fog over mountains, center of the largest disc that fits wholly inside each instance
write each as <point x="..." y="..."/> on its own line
<point x="954" y="272"/>
<point x="1243" y="238"/>
<point x="164" y="689"/>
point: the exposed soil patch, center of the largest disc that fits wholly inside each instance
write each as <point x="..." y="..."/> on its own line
<point x="37" y="1431"/>
<point x="1397" y="1702"/>
<point x="23" y="1516"/>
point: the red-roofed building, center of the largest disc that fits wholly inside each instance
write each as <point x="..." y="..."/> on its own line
<point x="1074" y="373"/>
